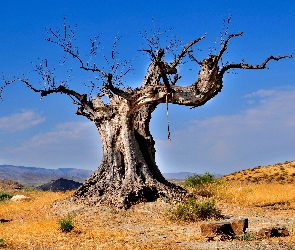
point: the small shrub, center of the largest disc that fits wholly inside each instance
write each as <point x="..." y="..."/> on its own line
<point x="191" y="210"/>
<point x="204" y="185"/>
<point x="66" y="225"/>
<point x="196" y="180"/>
<point x="2" y="243"/>
<point x="245" y="236"/>
<point x="164" y="198"/>
<point x="5" y="196"/>
<point x="285" y="172"/>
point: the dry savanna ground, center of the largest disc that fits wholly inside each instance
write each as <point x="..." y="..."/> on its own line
<point x="33" y="224"/>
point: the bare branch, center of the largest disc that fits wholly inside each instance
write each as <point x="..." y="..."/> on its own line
<point x="150" y="52"/>
<point x="224" y="44"/>
<point x="249" y="66"/>
<point x="6" y="83"/>
<point x="117" y="91"/>
<point x="193" y="58"/>
<point x="185" y="51"/>
<point x="65" y="42"/>
<point x="64" y="90"/>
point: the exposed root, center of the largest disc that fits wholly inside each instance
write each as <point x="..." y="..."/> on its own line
<point x="127" y="194"/>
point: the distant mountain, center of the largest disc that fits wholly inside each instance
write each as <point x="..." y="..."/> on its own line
<point x="32" y="176"/>
<point x="180" y="175"/>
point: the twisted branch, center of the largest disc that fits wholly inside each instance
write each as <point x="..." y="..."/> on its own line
<point x="249" y="66"/>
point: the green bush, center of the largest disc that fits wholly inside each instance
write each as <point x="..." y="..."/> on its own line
<point x="2" y="243"/>
<point x="5" y="196"/>
<point x="197" y="180"/>
<point x="245" y="236"/>
<point x="191" y="210"/>
<point x="66" y="225"/>
<point x="205" y="185"/>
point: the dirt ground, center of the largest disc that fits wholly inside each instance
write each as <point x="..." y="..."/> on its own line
<point x="145" y="226"/>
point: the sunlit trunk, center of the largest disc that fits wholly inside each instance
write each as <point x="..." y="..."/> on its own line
<point x="128" y="172"/>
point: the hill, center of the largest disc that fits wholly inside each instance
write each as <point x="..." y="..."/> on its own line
<point x="277" y="173"/>
<point x="60" y="185"/>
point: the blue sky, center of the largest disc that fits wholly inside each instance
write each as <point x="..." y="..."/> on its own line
<point x="250" y="123"/>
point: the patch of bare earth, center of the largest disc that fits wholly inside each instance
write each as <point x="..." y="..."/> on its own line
<point x="145" y="226"/>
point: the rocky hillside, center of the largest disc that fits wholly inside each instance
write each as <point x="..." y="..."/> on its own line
<point x="279" y="173"/>
<point x="6" y="185"/>
<point x="60" y="185"/>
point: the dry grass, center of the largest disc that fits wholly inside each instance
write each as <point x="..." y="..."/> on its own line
<point x="271" y="194"/>
<point x="272" y="186"/>
<point x="30" y="220"/>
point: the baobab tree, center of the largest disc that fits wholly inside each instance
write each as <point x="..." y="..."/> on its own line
<point x="128" y="172"/>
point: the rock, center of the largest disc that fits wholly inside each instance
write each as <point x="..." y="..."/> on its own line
<point x="20" y="197"/>
<point x="283" y="232"/>
<point x="211" y="229"/>
<point x="273" y="232"/>
<point x="239" y="225"/>
<point x="235" y="226"/>
<point x="4" y="220"/>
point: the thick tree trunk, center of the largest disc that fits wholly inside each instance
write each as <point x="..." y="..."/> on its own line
<point x="128" y="172"/>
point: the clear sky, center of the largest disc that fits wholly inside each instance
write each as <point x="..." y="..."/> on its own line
<point x="250" y="123"/>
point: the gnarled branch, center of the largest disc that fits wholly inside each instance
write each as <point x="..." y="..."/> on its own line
<point x="249" y="66"/>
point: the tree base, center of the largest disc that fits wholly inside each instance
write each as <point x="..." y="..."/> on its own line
<point x="127" y="193"/>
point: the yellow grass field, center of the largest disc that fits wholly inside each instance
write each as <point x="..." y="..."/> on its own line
<point x="259" y="195"/>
